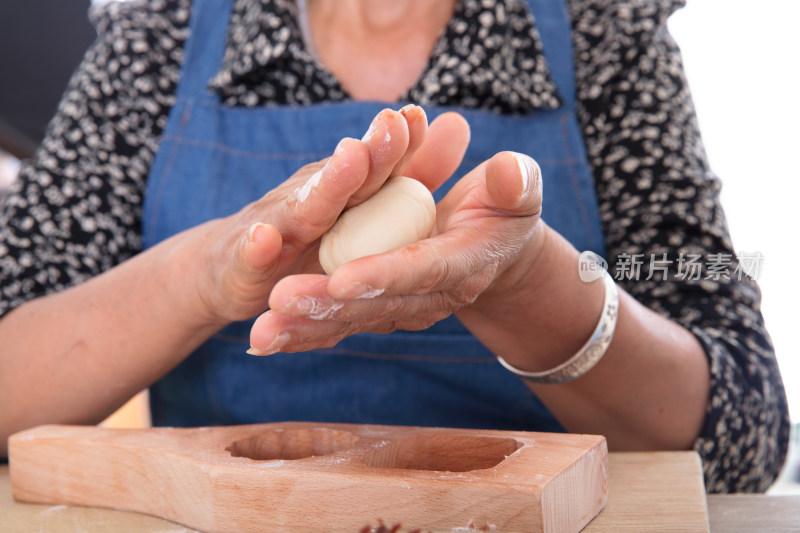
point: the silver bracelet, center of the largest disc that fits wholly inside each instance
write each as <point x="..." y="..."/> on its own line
<point x="590" y="353"/>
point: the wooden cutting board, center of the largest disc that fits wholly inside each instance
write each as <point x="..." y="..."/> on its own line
<point x="318" y="477"/>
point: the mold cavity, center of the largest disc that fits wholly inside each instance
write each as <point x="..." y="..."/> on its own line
<point x="296" y="443"/>
<point x="442" y="452"/>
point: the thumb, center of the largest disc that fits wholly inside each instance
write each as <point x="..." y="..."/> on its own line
<point x="258" y="252"/>
<point x="514" y="183"/>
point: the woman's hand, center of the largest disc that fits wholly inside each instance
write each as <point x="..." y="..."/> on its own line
<point x="486" y="236"/>
<point x="278" y="235"/>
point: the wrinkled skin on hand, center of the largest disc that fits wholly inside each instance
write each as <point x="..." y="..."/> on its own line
<point x="486" y="239"/>
<point x="247" y="253"/>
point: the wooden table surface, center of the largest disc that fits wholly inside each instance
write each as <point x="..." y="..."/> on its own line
<point x="661" y="491"/>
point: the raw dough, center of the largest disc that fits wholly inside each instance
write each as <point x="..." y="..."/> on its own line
<point x="401" y="212"/>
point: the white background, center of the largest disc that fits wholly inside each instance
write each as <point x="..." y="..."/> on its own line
<point x="743" y="64"/>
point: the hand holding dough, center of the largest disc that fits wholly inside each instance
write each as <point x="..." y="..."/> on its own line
<point x="401" y="212"/>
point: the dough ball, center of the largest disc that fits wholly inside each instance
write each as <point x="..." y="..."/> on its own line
<point x="401" y="212"/>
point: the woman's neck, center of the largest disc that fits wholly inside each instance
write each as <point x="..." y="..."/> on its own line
<point x="376" y="48"/>
<point x="373" y="16"/>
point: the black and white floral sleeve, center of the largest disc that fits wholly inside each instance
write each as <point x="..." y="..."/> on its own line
<point x="75" y="210"/>
<point x="657" y="196"/>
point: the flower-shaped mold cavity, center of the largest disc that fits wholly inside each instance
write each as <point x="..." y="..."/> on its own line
<point x="292" y="443"/>
<point x="443" y="452"/>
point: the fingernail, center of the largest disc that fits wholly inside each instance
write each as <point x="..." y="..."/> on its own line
<point x="280" y="340"/>
<point x="251" y="233"/>
<point x="340" y="147"/>
<point x="527" y="171"/>
<point x="372" y="127"/>
<point x="250" y="237"/>
<point x="405" y="111"/>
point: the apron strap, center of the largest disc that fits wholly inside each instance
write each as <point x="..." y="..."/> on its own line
<point x="555" y="30"/>
<point x="205" y="47"/>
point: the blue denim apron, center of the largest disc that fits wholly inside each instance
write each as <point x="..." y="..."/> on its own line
<point x="214" y="159"/>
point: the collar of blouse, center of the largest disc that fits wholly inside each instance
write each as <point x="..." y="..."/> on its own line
<point x="493" y="49"/>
